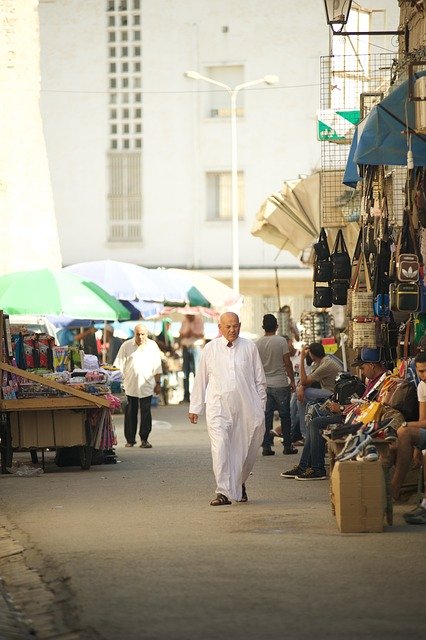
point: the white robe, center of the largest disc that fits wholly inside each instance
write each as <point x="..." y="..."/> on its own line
<point x="231" y="382"/>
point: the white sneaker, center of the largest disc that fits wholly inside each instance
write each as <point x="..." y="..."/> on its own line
<point x="370" y="454"/>
<point x="353" y="446"/>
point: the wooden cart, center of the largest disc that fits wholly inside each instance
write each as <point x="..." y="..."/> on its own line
<point x="28" y="416"/>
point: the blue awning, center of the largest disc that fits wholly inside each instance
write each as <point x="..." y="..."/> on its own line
<point x="351" y="176"/>
<point x="382" y="136"/>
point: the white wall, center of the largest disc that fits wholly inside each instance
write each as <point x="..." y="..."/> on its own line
<point x="277" y="137"/>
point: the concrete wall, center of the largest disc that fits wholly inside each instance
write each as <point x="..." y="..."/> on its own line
<point x="277" y="136"/>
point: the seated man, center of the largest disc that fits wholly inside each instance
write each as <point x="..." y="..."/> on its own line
<point x="312" y="462"/>
<point x="412" y="437"/>
<point x="327" y="367"/>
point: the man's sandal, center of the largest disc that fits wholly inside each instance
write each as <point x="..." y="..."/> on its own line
<point x="244" y="496"/>
<point x="220" y="500"/>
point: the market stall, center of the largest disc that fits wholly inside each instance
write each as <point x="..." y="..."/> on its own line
<point x="49" y="409"/>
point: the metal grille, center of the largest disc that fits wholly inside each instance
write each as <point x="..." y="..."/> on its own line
<point x="125" y="198"/>
<point x="350" y="87"/>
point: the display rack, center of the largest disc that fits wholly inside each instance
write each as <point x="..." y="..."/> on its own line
<point x="73" y="400"/>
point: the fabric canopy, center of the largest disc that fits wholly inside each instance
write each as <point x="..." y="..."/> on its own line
<point x="290" y="219"/>
<point x="382" y="137"/>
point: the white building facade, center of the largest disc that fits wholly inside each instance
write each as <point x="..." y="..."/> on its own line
<point x="140" y="155"/>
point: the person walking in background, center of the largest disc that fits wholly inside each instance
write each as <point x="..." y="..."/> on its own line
<point x="165" y="339"/>
<point x="279" y="374"/>
<point x="191" y="336"/>
<point x="231" y="372"/>
<point x="289" y="327"/>
<point x="139" y="359"/>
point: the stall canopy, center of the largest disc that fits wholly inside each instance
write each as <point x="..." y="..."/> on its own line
<point x="382" y="139"/>
<point x="290" y="219"/>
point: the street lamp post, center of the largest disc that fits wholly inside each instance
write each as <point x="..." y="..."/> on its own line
<point x="233" y="93"/>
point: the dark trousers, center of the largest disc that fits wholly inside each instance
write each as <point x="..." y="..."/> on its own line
<point x="277" y="398"/>
<point x="131" y="418"/>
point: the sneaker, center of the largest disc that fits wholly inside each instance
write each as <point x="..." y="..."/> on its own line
<point x="417" y="511"/>
<point x="370" y="454"/>
<point x="298" y="443"/>
<point x="416" y="517"/>
<point x="276" y="433"/>
<point x="292" y="473"/>
<point x="390" y="434"/>
<point x="145" y="444"/>
<point x="353" y="446"/>
<point x="311" y="474"/>
<point x="289" y="451"/>
<point x="268" y="452"/>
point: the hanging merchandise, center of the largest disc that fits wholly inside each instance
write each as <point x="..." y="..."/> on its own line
<point x="321" y="249"/>
<point x="381" y="301"/>
<point x="323" y="295"/>
<point x="341" y="270"/>
<point x="340" y="259"/>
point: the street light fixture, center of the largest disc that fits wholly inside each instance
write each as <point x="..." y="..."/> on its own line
<point x="233" y="93"/>
<point x="337" y="12"/>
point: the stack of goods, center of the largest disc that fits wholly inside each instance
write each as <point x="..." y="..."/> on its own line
<point x="316" y="325"/>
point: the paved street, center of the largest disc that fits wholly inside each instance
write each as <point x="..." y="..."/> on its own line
<point x="137" y="553"/>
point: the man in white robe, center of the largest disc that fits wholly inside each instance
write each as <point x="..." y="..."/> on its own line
<point x="231" y="382"/>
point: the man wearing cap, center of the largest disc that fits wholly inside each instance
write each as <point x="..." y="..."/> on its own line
<point x="312" y="462"/>
<point x="274" y="353"/>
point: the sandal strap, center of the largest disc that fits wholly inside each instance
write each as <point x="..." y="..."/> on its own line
<point x="219" y="500"/>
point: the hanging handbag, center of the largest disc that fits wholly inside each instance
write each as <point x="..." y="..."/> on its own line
<point x="322" y="271"/>
<point x="323" y="297"/>
<point x="381" y="298"/>
<point x="407" y="267"/>
<point x="340" y="259"/>
<point x="364" y="332"/>
<point x="405" y="296"/>
<point x="340" y="291"/>
<point x="321" y="248"/>
<point x="362" y="294"/>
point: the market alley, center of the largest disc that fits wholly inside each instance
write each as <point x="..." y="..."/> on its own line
<point x="144" y="556"/>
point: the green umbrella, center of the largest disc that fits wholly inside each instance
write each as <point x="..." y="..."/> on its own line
<point x="47" y="291"/>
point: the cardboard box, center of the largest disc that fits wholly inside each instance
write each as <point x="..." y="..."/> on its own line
<point x="42" y="429"/>
<point x="359" y="496"/>
<point x="69" y="428"/>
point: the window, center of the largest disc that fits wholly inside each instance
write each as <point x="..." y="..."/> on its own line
<point x="219" y="196"/>
<point x="218" y="103"/>
<point x="125" y="124"/>
<point x="124" y="198"/>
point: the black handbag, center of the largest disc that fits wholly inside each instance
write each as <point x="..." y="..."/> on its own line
<point x="340" y="291"/>
<point x="323" y="271"/>
<point x="340" y="260"/>
<point x="321" y="248"/>
<point x="405" y="296"/>
<point x="323" y="297"/>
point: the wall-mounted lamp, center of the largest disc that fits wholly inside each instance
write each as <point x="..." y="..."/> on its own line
<point x="337" y="12"/>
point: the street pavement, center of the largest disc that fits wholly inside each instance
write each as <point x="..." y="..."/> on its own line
<point x="134" y="551"/>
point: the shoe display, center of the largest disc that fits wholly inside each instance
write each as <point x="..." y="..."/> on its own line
<point x="370" y="454"/>
<point x="289" y="451"/>
<point x="275" y="433"/>
<point x="390" y="434"/>
<point x="354" y="444"/>
<point x="311" y="474"/>
<point x="416" y="517"/>
<point x="268" y="452"/>
<point x="292" y="473"/>
<point x="145" y="445"/>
